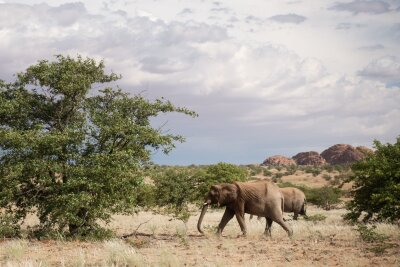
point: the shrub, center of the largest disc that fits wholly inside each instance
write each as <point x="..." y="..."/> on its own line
<point x="255" y="169"/>
<point x="221" y="173"/>
<point x="176" y="189"/>
<point x="368" y="234"/>
<point x="378" y="244"/>
<point x="327" y="177"/>
<point x="291" y="169"/>
<point x="267" y="172"/>
<point x="324" y="197"/>
<point x="377" y="185"/>
<point x="9" y="227"/>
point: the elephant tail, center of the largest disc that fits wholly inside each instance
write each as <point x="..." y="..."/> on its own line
<point x="282" y="203"/>
<point x="304" y="208"/>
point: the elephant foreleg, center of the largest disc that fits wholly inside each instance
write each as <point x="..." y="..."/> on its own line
<point x="228" y="215"/>
<point x="295" y="216"/>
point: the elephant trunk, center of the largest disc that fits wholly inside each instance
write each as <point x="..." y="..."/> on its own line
<point x="203" y="211"/>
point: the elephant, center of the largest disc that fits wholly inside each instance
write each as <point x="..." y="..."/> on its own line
<point x="295" y="201"/>
<point x="261" y="199"/>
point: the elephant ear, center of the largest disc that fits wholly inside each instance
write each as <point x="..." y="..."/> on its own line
<point x="231" y="192"/>
<point x="216" y="188"/>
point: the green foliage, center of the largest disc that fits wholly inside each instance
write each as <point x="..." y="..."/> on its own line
<point x="72" y="154"/>
<point x="267" y="172"/>
<point x="378" y="242"/>
<point x="327" y="167"/>
<point x="324" y="197"/>
<point x="368" y="234"/>
<point x="277" y="177"/>
<point x="291" y="169"/>
<point x="377" y="185"/>
<point x="221" y="173"/>
<point x="327" y="177"/>
<point x="9" y="227"/>
<point x="254" y="169"/>
<point x="175" y="189"/>
<point x="313" y="170"/>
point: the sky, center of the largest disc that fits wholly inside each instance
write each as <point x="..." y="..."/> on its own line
<point x="266" y="77"/>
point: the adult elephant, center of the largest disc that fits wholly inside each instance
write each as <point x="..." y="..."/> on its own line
<point x="295" y="201"/>
<point x="261" y="199"/>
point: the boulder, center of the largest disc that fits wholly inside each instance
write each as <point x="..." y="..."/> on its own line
<point x="344" y="154"/>
<point x="309" y="158"/>
<point x="279" y="161"/>
<point x="365" y="150"/>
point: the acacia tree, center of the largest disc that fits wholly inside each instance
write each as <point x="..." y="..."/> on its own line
<point x="72" y="155"/>
<point x="377" y="185"/>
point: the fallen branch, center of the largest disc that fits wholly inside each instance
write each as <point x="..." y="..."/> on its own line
<point x="137" y="228"/>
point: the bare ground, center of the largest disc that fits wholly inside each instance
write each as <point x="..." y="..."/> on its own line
<point x="161" y="241"/>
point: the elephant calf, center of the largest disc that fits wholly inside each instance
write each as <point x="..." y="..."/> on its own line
<point x="261" y="199"/>
<point x="295" y="201"/>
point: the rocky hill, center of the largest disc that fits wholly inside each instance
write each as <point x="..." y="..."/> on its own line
<point x="278" y="161"/>
<point x="309" y="158"/>
<point x="344" y="154"/>
<point x="334" y="155"/>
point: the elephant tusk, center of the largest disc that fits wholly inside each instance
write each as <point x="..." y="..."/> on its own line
<point x="205" y="204"/>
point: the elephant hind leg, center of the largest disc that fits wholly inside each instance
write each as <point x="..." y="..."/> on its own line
<point x="278" y="218"/>
<point x="268" y="225"/>
<point x="295" y="216"/>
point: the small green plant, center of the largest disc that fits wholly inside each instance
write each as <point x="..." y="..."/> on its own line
<point x="291" y="169"/>
<point x="9" y="228"/>
<point x="315" y="218"/>
<point x="327" y="177"/>
<point x="277" y="177"/>
<point x="254" y="169"/>
<point x="267" y="172"/>
<point x="181" y="233"/>
<point x="378" y="244"/>
<point x="368" y="234"/>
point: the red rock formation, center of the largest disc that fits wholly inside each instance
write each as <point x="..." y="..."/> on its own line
<point x="343" y="154"/>
<point x="279" y="161"/>
<point x="309" y="158"/>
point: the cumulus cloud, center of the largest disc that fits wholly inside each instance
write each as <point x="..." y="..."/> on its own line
<point x="362" y="6"/>
<point x="250" y="96"/>
<point x="386" y="69"/>
<point x="288" y="18"/>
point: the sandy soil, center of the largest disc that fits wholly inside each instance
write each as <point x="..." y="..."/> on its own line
<point x="161" y="241"/>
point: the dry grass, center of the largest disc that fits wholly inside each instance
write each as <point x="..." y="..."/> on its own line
<point x="165" y="242"/>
